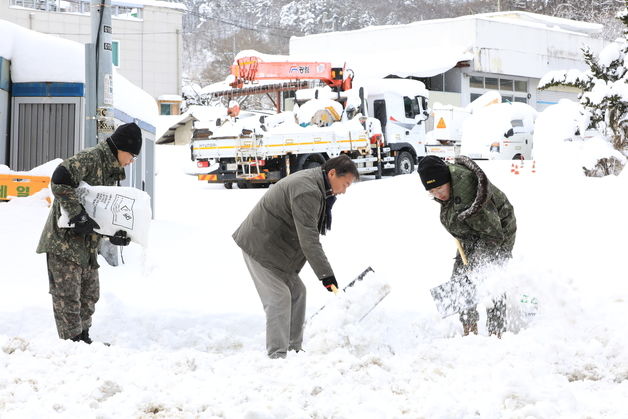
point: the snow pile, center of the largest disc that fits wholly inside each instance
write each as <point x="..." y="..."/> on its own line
<point x="560" y="149"/>
<point x="307" y="111"/>
<point x="24" y="48"/>
<point x="188" y="331"/>
<point x="45" y="169"/>
<point x="339" y="322"/>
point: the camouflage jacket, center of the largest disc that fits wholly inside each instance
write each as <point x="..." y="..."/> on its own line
<point x="282" y="231"/>
<point x="97" y="166"/>
<point x="478" y="214"/>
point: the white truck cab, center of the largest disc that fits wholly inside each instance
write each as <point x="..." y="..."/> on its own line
<point x="400" y="105"/>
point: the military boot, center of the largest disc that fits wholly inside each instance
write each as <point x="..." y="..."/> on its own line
<point x="496" y="318"/>
<point x="469" y="328"/>
<point x="85" y="336"/>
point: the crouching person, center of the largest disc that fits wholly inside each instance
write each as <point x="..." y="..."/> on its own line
<point x="280" y="234"/>
<point x="71" y="252"/>
<point x="480" y="216"/>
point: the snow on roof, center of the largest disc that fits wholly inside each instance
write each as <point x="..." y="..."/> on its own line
<point x="401" y="63"/>
<point x="170" y="98"/>
<point x="133" y="101"/>
<point x="549" y="22"/>
<point x="510" y="17"/>
<point x="27" y="50"/>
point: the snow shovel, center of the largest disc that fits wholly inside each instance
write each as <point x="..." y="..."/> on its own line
<point x="455" y="295"/>
<point x="382" y="293"/>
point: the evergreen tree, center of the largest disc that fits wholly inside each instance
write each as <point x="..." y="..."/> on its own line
<point x="604" y="99"/>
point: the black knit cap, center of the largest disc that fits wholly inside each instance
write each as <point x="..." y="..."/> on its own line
<point x="433" y="172"/>
<point x="128" y="137"/>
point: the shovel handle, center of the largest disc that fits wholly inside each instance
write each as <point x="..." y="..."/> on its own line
<point x="334" y="289"/>
<point x="461" y="251"/>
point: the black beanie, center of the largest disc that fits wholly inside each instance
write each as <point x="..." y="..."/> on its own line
<point x="128" y="137"/>
<point x="433" y="171"/>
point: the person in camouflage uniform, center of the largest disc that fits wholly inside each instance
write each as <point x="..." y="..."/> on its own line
<point x="71" y="252"/>
<point x="477" y="214"/>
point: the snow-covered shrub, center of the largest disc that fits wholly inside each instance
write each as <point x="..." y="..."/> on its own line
<point x="604" y="100"/>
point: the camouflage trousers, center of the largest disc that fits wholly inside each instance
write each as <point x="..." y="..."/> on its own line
<point x="75" y="290"/>
<point x="495" y="314"/>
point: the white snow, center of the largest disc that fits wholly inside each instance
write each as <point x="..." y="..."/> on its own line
<point x="25" y="48"/>
<point x="557" y="146"/>
<point x="187" y="328"/>
<point x="132" y="100"/>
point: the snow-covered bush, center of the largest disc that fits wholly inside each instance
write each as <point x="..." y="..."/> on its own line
<point x="604" y="100"/>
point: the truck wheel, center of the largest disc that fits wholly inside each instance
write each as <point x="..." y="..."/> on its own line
<point x="404" y="163"/>
<point x="309" y="161"/>
<point x="518" y="156"/>
<point x="242" y="184"/>
<point x="228" y="185"/>
<point x="312" y="164"/>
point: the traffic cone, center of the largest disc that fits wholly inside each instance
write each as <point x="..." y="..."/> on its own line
<point x="533" y="166"/>
<point x="512" y="168"/>
<point x="516" y="169"/>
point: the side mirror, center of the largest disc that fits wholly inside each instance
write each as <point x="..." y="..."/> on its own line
<point x="509" y="133"/>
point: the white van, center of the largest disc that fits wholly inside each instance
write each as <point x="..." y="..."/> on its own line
<point x="502" y="131"/>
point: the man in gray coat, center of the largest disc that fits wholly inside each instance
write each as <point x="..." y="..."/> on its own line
<point x="280" y="234"/>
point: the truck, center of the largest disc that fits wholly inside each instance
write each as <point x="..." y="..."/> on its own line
<point x="380" y="124"/>
<point x="486" y="129"/>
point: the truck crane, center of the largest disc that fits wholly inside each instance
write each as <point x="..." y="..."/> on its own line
<point x="385" y="135"/>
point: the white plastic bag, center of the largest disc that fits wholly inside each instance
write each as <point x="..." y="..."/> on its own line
<point x="114" y="208"/>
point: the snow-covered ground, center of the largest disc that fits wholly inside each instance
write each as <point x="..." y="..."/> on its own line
<point x="187" y="329"/>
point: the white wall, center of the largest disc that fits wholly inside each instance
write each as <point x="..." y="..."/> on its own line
<point x="150" y="48"/>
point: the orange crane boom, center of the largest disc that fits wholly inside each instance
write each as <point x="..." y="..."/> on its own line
<point x="249" y="69"/>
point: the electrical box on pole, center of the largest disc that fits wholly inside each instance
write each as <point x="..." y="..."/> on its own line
<point x="100" y="105"/>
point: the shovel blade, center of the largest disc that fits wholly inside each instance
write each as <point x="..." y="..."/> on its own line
<point x="454" y="296"/>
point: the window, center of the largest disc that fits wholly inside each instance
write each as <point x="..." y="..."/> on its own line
<point x="477" y="82"/>
<point x="505" y="84"/>
<point x="521" y="99"/>
<point x="475" y="96"/>
<point x="506" y="99"/>
<point x="379" y="111"/>
<point x="521" y="86"/>
<point x="115" y="53"/>
<point x="437" y="83"/>
<point x="411" y="107"/>
<point x="491" y="83"/>
<point x="164" y="109"/>
<point x="77" y="6"/>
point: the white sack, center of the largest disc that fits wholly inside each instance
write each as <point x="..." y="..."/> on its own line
<point x="114" y="208"/>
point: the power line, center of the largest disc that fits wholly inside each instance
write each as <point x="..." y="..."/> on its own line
<point x="246" y="27"/>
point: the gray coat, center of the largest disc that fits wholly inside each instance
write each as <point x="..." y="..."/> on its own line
<point x="282" y="230"/>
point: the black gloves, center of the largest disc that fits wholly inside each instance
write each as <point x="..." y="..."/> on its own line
<point x="328" y="282"/>
<point x="120" y="238"/>
<point x="83" y="223"/>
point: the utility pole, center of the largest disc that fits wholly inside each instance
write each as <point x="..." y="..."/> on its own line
<point x="98" y="76"/>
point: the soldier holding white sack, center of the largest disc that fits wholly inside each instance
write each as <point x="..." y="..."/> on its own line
<point x="71" y="252"/>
